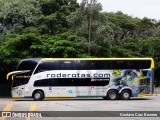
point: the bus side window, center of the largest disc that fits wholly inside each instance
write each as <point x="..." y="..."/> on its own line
<point x="41" y="83"/>
<point x="81" y="65"/>
<point x="103" y="64"/>
<point x="93" y="64"/>
<point x="118" y="64"/>
<point x="53" y="82"/>
<point x="47" y="65"/>
<point x="97" y="82"/>
<point x="67" y="65"/>
<point x="65" y="82"/>
<point x="27" y="65"/>
<point x="141" y="64"/>
<point x="81" y="82"/>
<point x="131" y="64"/>
<point x="85" y="64"/>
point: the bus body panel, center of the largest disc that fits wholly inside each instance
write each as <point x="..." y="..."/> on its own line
<point x="137" y="81"/>
<point x="18" y="92"/>
<point x="87" y="83"/>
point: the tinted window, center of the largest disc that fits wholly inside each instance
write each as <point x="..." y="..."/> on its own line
<point x="65" y="82"/>
<point x="93" y="64"/>
<point x="41" y="83"/>
<point x="119" y="64"/>
<point x="20" y="81"/>
<point x="99" y="82"/>
<point x="131" y="64"/>
<point x="141" y="64"/>
<point x="90" y="82"/>
<point x="53" y="82"/>
<point x="103" y="64"/>
<point x="85" y="65"/>
<point x="67" y="65"/>
<point x="27" y="65"/>
<point x="47" y="65"/>
<point x="71" y="82"/>
<point x="82" y="82"/>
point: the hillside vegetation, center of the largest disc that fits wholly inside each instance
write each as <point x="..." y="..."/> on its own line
<point x="64" y="28"/>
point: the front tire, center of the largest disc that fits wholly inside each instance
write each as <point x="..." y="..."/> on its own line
<point x="112" y="95"/>
<point x="125" y="95"/>
<point x="38" y="95"/>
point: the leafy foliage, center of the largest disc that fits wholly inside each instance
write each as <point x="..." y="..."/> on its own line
<point x="64" y="28"/>
<point x="92" y="27"/>
<point x="16" y="15"/>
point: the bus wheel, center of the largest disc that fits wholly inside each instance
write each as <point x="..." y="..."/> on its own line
<point x="125" y="95"/>
<point x="112" y="95"/>
<point x="38" y="95"/>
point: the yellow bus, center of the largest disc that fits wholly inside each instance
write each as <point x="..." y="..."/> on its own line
<point x="110" y="78"/>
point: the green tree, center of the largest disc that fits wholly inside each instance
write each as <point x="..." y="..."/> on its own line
<point x="31" y="45"/>
<point x="146" y="28"/>
<point x="129" y="47"/>
<point x="62" y="45"/>
<point x="93" y="28"/>
<point x="17" y="47"/>
<point x="16" y="15"/>
<point x="54" y="12"/>
<point x="123" y="26"/>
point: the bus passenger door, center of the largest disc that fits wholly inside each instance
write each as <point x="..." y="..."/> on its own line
<point x="19" y="81"/>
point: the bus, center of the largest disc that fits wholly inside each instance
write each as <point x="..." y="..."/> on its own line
<point x="109" y="78"/>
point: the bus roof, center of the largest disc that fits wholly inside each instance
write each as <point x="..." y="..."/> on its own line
<point x="46" y="59"/>
<point x="97" y="59"/>
<point x="34" y="59"/>
<point x="152" y="61"/>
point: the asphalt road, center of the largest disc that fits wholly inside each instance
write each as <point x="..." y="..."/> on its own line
<point x="150" y="103"/>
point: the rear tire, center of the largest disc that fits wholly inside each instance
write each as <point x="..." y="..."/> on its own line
<point x="112" y="95"/>
<point x="38" y="95"/>
<point x="125" y="95"/>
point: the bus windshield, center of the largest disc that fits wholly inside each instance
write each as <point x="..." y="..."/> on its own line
<point x="18" y="82"/>
<point x="25" y="69"/>
<point x="28" y="64"/>
<point x="21" y="78"/>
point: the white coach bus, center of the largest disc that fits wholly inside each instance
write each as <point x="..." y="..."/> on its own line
<point x="110" y="78"/>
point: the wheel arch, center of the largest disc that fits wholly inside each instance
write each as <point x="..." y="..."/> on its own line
<point x="129" y="89"/>
<point x="112" y="89"/>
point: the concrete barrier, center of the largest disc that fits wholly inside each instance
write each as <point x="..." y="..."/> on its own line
<point x="157" y="90"/>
